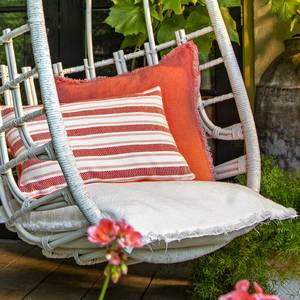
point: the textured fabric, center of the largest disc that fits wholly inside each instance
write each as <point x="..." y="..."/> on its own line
<point x="164" y="252"/>
<point x="178" y="76"/>
<point x="170" y="211"/>
<point x="113" y="140"/>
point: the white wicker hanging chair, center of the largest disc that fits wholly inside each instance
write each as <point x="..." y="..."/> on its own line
<point x="186" y="219"/>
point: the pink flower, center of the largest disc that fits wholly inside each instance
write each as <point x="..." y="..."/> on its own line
<point x="241" y="293"/>
<point x="115" y="236"/>
<point x="128" y="236"/>
<point x="92" y="234"/>
<point x="104" y="233"/>
<point x="114" y="258"/>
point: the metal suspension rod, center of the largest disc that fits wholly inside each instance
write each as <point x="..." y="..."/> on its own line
<point x="150" y="31"/>
<point x="89" y="38"/>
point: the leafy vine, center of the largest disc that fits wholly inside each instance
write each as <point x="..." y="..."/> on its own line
<point x="286" y="10"/>
<point x="168" y="16"/>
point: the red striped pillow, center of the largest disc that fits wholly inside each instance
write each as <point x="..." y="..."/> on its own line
<point x="113" y="140"/>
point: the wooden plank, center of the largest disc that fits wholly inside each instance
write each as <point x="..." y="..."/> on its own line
<point x="67" y="282"/>
<point x="167" y="289"/>
<point x="176" y="271"/>
<point x="130" y="287"/>
<point x="26" y="274"/>
<point x="21" y="276"/>
<point x="10" y="251"/>
<point x="170" y="282"/>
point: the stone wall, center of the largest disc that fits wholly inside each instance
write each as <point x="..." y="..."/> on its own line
<point x="277" y="121"/>
<point x="277" y="98"/>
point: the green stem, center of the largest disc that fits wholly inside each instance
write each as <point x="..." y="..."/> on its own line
<point x="105" y="286"/>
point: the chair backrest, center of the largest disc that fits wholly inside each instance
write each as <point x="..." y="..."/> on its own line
<point x="59" y="149"/>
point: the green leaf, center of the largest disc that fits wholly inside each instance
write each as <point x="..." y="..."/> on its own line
<point x="168" y="28"/>
<point x="155" y="14"/>
<point x="198" y="19"/>
<point x="174" y="5"/>
<point x="293" y="23"/>
<point x="202" y="2"/>
<point x="184" y="2"/>
<point x="205" y="45"/>
<point x="126" y="17"/>
<point x="230" y="3"/>
<point x="134" y="40"/>
<point x="285" y="9"/>
<point x="230" y="25"/>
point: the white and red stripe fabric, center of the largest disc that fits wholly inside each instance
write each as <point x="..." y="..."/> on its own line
<point x="113" y="140"/>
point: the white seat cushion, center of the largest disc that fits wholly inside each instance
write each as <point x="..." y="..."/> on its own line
<point x="170" y="211"/>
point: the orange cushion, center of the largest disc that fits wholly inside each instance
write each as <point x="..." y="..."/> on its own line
<point x="178" y="75"/>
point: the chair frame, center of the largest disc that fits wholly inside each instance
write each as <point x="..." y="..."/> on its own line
<point x="58" y="149"/>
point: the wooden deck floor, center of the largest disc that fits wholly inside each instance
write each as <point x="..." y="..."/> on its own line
<point x="26" y="274"/>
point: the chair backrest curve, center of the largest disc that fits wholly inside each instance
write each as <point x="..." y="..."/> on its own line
<point x="59" y="149"/>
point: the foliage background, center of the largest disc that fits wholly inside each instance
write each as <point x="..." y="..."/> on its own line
<point x="13" y="19"/>
<point x="168" y="16"/>
<point x="286" y="10"/>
